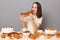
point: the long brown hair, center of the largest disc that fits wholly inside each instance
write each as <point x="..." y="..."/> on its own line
<point x="39" y="9"/>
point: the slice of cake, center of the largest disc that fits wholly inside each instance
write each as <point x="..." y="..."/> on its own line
<point x="50" y="30"/>
<point x="7" y="30"/>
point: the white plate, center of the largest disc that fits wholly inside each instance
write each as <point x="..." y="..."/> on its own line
<point x="25" y="39"/>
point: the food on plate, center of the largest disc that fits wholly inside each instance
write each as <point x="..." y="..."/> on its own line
<point x="7" y="30"/>
<point x="16" y="35"/>
<point x="57" y="34"/>
<point x="10" y="35"/>
<point x="21" y="35"/>
<point x="48" y="35"/>
<point x="35" y="35"/>
<point x="50" y="30"/>
<point x="3" y="35"/>
<point x="26" y="34"/>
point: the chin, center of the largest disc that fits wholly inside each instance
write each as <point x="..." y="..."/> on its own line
<point x="34" y="13"/>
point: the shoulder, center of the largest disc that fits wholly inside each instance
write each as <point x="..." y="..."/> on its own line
<point x="39" y="20"/>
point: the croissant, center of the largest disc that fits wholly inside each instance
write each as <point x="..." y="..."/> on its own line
<point x="25" y="14"/>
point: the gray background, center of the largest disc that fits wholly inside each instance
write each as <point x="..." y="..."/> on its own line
<point x="10" y="12"/>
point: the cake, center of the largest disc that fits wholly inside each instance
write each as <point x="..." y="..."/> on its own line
<point x="50" y="30"/>
<point x="7" y="30"/>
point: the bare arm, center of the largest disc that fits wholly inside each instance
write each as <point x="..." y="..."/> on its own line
<point x="24" y="24"/>
<point x="35" y="26"/>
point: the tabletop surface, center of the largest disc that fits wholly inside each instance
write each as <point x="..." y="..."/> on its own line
<point x="41" y="37"/>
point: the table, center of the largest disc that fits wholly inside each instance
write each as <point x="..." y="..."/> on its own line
<point x="15" y="37"/>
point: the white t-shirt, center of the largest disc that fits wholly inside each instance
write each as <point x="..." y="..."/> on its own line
<point x="29" y="23"/>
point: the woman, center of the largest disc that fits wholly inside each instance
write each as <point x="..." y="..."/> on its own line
<point x="35" y="18"/>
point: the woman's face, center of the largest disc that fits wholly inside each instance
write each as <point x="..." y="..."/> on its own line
<point x="34" y="8"/>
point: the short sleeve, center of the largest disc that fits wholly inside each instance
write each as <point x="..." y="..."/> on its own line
<point x="39" y="20"/>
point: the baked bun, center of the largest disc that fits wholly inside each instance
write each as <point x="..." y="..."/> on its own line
<point x="16" y="35"/>
<point x="3" y="35"/>
<point x="35" y="35"/>
<point x="48" y="35"/>
<point x="58" y="34"/>
<point x="10" y="35"/>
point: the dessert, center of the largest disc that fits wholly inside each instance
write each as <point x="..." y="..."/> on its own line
<point x="26" y="34"/>
<point x="10" y="35"/>
<point x="35" y="35"/>
<point x="50" y="30"/>
<point x="21" y="35"/>
<point x="7" y="30"/>
<point x="16" y="35"/>
<point x="48" y="35"/>
<point x="3" y="35"/>
<point x="57" y="34"/>
<point x="25" y="14"/>
<point x="40" y="31"/>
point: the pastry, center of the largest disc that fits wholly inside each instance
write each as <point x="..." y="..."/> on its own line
<point x="16" y="35"/>
<point x="50" y="30"/>
<point x="57" y="34"/>
<point x="48" y="35"/>
<point x="3" y="35"/>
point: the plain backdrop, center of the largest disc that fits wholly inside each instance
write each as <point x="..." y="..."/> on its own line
<point x="10" y="12"/>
